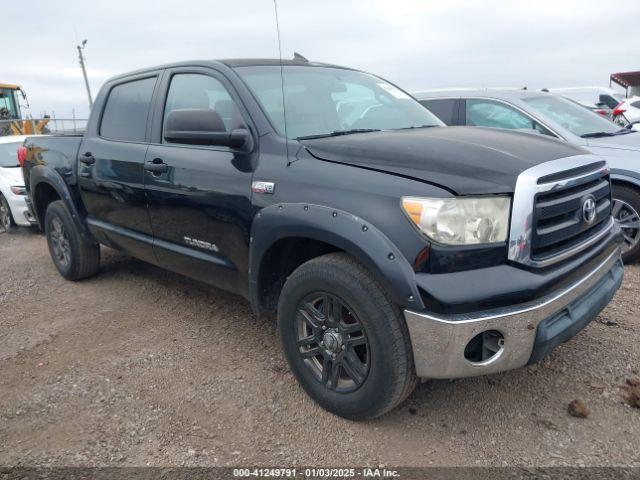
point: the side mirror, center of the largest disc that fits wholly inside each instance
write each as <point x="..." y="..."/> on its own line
<point x="202" y="127"/>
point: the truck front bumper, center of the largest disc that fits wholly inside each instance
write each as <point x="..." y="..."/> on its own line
<point x="528" y="331"/>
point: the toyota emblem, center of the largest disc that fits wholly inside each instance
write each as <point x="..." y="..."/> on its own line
<point x="589" y="210"/>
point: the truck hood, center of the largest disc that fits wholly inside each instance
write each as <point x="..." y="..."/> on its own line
<point x="628" y="141"/>
<point x="12" y="176"/>
<point x="464" y="160"/>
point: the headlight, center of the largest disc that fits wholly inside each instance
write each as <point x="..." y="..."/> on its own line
<point x="19" y="190"/>
<point x="460" y="221"/>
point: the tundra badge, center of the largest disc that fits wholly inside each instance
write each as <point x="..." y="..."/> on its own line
<point x="192" y="242"/>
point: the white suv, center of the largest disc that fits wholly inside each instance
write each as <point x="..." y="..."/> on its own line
<point x="13" y="206"/>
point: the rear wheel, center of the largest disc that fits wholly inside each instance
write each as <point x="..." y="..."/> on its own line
<point x="74" y="258"/>
<point x="7" y="225"/>
<point x="345" y="341"/>
<point x="626" y="213"/>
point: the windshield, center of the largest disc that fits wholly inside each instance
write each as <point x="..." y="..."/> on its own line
<point x="8" y="104"/>
<point x="324" y="100"/>
<point x="9" y="154"/>
<point x="575" y="118"/>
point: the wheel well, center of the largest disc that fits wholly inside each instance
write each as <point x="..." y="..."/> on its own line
<point x="625" y="183"/>
<point x="280" y="260"/>
<point x="44" y="195"/>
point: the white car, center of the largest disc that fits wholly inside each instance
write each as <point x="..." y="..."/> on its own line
<point x="630" y="108"/>
<point x="13" y="206"/>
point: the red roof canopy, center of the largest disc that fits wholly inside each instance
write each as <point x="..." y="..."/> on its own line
<point x="626" y="79"/>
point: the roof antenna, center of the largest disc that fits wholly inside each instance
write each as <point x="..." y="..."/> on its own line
<point x="284" y="106"/>
<point x="299" y="58"/>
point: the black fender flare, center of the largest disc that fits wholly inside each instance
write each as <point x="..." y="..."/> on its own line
<point x="40" y="174"/>
<point x="341" y="229"/>
<point x="626" y="176"/>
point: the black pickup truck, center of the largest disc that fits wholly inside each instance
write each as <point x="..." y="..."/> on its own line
<point x="391" y="247"/>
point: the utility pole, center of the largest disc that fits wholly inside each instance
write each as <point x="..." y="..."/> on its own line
<point x="84" y="72"/>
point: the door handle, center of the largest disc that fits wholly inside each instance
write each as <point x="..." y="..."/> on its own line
<point x="156" y="166"/>
<point x="88" y="159"/>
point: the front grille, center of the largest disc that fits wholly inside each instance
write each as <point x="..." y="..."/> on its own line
<point x="558" y="223"/>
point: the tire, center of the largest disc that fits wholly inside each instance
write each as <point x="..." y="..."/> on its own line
<point x="74" y="258"/>
<point x="7" y="224"/>
<point x="626" y="212"/>
<point x="385" y="375"/>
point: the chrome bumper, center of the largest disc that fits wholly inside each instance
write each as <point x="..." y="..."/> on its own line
<point x="439" y="341"/>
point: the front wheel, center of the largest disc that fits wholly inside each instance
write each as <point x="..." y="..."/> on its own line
<point x="626" y="213"/>
<point x="345" y="342"/>
<point x="7" y="224"/>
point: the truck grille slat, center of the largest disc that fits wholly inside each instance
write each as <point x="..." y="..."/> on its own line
<point x="559" y="223"/>
<point x="572" y="201"/>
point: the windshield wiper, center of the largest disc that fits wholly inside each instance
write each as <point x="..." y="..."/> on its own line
<point x="597" y="134"/>
<point x="418" y="126"/>
<point x="623" y="131"/>
<point x="337" y="133"/>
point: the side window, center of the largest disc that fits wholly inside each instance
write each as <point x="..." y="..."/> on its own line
<point x="444" y="109"/>
<point x="635" y="104"/>
<point x="609" y="101"/>
<point x="489" y="113"/>
<point x="202" y="92"/>
<point x="125" y="114"/>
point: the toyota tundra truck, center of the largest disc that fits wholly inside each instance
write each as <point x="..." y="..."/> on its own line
<point x="389" y="246"/>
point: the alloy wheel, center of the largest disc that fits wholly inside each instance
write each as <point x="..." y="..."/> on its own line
<point x="629" y="221"/>
<point x="332" y="342"/>
<point x="5" y="216"/>
<point x="60" y="242"/>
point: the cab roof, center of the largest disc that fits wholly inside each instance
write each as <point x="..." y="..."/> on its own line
<point x="231" y="63"/>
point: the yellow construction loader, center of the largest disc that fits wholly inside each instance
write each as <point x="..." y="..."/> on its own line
<point x="11" y="121"/>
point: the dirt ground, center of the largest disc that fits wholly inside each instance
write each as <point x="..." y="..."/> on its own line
<point x="139" y="366"/>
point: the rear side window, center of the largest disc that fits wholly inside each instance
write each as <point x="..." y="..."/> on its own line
<point x="609" y="101"/>
<point x="125" y="114"/>
<point x="445" y="109"/>
<point x="636" y="104"/>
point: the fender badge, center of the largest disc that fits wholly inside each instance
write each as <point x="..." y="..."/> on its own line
<point x="194" y="242"/>
<point x="263" y="187"/>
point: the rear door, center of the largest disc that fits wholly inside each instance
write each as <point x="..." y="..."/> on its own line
<point x="110" y="171"/>
<point x="200" y="205"/>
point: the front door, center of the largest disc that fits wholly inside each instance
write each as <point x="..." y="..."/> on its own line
<point x="199" y="197"/>
<point x="110" y="172"/>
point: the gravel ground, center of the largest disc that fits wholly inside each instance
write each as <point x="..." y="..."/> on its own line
<point x="139" y="366"/>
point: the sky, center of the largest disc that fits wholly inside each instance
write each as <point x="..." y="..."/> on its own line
<point x="416" y="44"/>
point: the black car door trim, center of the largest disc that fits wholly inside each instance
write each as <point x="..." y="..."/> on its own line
<point x="173" y="247"/>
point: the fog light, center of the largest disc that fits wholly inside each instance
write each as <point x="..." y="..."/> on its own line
<point x="484" y="347"/>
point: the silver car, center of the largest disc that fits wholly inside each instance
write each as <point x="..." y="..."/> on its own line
<point x="561" y="118"/>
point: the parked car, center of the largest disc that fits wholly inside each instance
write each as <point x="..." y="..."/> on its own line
<point x="601" y="100"/>
<point x="556" y="117"/>
<point x="13" y="207"/>
<point x="390" y="246"/>
<point x="629" y="108"/>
